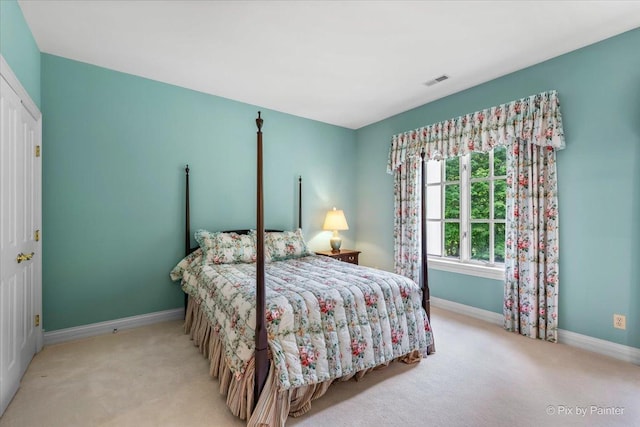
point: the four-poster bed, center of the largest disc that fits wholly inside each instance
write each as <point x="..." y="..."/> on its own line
<point x="366" y="317"/>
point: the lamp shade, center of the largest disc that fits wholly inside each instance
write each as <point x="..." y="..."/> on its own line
<point x="335" y="220"/>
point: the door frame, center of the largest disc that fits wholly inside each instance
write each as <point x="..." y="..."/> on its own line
<point x="34" y="111"/>
<point x="26" y="108"/>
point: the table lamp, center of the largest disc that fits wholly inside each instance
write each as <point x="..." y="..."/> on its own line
<point x="335" y="221"/>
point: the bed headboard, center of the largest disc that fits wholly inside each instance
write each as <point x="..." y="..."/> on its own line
<point x="187" y="225"/>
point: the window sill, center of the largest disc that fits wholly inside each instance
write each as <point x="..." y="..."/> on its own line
<point x="477" y="270"/>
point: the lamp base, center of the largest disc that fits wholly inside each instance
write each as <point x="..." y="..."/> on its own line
<point x="336" y="242"/>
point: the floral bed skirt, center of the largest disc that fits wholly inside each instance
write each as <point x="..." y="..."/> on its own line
<point x="273" y="406"/>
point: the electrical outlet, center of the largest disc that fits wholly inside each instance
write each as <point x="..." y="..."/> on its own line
<point x="619" y="321"/>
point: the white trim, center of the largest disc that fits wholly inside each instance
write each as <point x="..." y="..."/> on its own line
<point x="470" y="269"/>
<point x="478" y="313"/>
<point x="93" y="329"/>
<point x="619" y="351"/>
<point x="14" y="82"/>
<point x="607" y="348"/>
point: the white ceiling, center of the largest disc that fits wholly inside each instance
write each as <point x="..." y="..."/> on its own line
<point x="348" y="63"/>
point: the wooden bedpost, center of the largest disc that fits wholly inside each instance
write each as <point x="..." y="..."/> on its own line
<point x="424" y="271"/>
<point x="187" y="225"/>
<point x="300" y="202"/>
<point x="187" y="229"/>
<point x="261" y="355"/>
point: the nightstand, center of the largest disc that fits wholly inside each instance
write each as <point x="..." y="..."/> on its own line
<point x="345" y="255"/>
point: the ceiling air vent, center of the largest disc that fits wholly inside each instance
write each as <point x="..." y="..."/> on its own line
<point x="436" y="80"/>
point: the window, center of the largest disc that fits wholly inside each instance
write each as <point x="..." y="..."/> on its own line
<point x="466" y="213"/>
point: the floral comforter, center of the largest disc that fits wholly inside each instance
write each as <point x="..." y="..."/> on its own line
<point x="325" y="318"/>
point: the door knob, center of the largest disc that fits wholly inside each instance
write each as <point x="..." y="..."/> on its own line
<point x="24" y="257"/>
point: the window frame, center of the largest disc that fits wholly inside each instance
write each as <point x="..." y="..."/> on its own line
<point x="466" y="265"/>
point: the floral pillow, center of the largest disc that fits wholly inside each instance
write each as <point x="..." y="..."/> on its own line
<point x="193" y="258"/>
<point x="283" y="245"/>
<point x="226" y="248"/>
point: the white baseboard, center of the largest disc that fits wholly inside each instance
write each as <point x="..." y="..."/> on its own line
<point x="93" y="329"/>
<point x="478" y="313"/>
<point x="607" y="348"/>
<point x="585" y="342"/>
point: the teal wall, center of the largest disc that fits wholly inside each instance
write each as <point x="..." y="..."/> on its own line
<point x="115" y="150"/>
<point x="19" y="48"/>
<point x="599" y="185"/>
<point x="115" y="146"/>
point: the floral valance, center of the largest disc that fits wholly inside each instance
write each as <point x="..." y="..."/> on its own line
<point x="535" y="119"/>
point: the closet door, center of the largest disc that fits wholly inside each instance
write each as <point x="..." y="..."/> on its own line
<point x="20" y="255"/>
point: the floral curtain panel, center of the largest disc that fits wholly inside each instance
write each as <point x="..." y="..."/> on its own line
<point x="406" y="227"/>
<point x="531" y="249"/>
<point x="532" y="129"/>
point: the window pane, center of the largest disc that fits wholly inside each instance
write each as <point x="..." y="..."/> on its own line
<point x="499" y="198"/>
<point x="480" y="200"/>
<point x="453" y="169"/>
<point x="479" y="165"/>
<point x="480" y="241"/>
<point x="499" y="161"/>
<point x="499" y="241"/>
<point x="434" y="202"/>
<point x="434" y="238"/>
<point x="434" y="171"/>
<point x="452" y="201"/>
<point x="452" y="239"/>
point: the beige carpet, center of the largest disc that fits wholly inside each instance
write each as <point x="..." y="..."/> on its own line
<point x="480" y="376"/>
